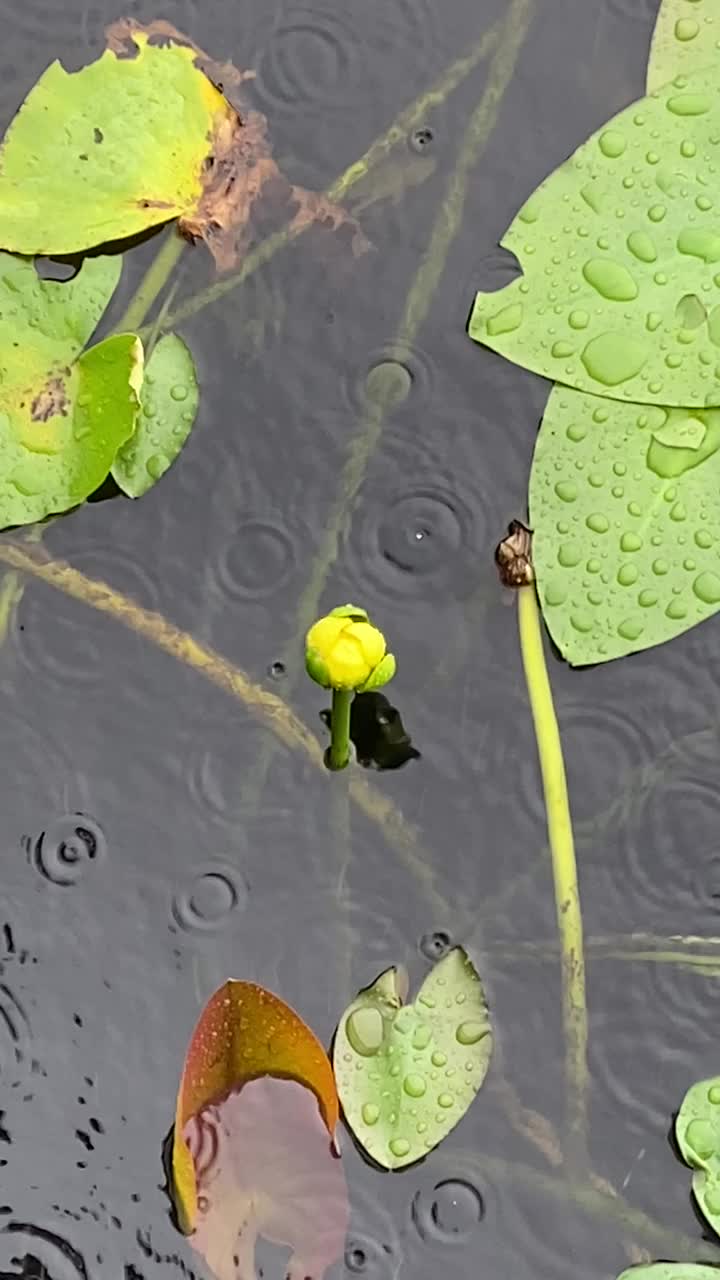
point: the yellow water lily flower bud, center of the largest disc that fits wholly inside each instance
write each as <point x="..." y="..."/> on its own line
<point x="345" y="651"/>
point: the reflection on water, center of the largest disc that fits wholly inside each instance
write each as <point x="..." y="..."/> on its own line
<point x="352" y="444"/>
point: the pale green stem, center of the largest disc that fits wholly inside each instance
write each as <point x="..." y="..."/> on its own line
<point x="567" y="896"/>
<point x="638" y="783"/>
<point x="11" y="590"/>
<point x="153" y="282"/>
<point x="640" y="948"/>
<point x="339" y="755"/>
<point x="12" y="585"/>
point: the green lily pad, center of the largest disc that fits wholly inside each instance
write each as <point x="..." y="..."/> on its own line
<point x="670" y="1271"/>
<point x="621" y="257"/>
<point x="623" y="504"/>
<point x="697" y="1129"/>
<point x="169" y="405"/>
<point x="406" y="1074"/>
<point x="103" y="153"/>
<point x="685" y="39"/>
<point x="63" y="415"/>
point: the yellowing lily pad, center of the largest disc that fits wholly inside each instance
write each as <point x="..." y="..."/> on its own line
<point x="243" y="1032"/>
<point x="685" y="39"/>
<point x="135" y="139"/>
<point x="623" y="505"/>
<point x="266" y="1167"/>
<point x="697" y="1129"/>
<point x="103" y="153"/>
<point x="406" y="1074"/>
<point x="620" y="251"/>
<point x="169" y="405"/>
<point x="63" y="414"/>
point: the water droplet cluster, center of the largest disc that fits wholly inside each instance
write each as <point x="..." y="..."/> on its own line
<point x="698" y="1134"/>
<point x="407" y="1074"/>
<point x="620" y="251"/>
<point x="169" y="401"/>
<point x="683" y="44"/>
<point x="627" y="530"/>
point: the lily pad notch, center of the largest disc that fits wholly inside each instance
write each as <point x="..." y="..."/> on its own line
<point x="407" y="1073"/>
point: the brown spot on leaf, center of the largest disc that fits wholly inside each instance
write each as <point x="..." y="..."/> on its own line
<point x="51" y="401"/>
<point x="155" y="204"/>
<point x="241" y="183"/>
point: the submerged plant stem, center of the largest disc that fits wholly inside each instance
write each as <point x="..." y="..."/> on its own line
<point x="11" y="591"/>
<point x="267" y="707"/>
<point x="580" y="1192"/>
<point x="153" y="282"/>
<point x="567" y="896"/>
<point x="642" y="948"/>
<point x="340" y="728"/>
<point x="394" y="135"/>
<point x="417" y="305"/>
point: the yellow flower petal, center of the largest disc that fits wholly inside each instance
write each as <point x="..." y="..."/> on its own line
<point x="371" y="641"/>
<point x="323" y="634"/>
<point x="346" y="663"/>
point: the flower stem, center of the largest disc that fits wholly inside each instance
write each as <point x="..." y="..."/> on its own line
<point x="340" y="729"/>
<point x="567" y="896"/>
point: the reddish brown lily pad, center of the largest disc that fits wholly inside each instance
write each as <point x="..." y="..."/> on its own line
<point x="266" y="1168"/>
<point x="243" y="1033"/>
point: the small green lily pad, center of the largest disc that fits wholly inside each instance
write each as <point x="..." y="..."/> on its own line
<point x="685" y="39"/>
<point x="63" y="415"/>
<point x="169" y="406"/>
<point x="670" y="1271"/>
<point x="697" y="1129"/>
<point x="620" y="251"/>
<point x="623" y="505"/>
<point x="406" y="1074"/>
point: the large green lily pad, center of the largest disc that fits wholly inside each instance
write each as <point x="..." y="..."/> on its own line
<point x="102" y="153"/>
<point x="620" y="251"/>
<point x="697" y="1129"/>
<point x="63" y="415"/>
<point x="685" y="39"/>
<point x="406" y="1074"/>
<point x="626" y="519"/>
<point x="169" y="405"/>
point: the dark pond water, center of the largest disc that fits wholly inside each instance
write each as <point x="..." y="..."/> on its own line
<point x="209" y="848"/>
